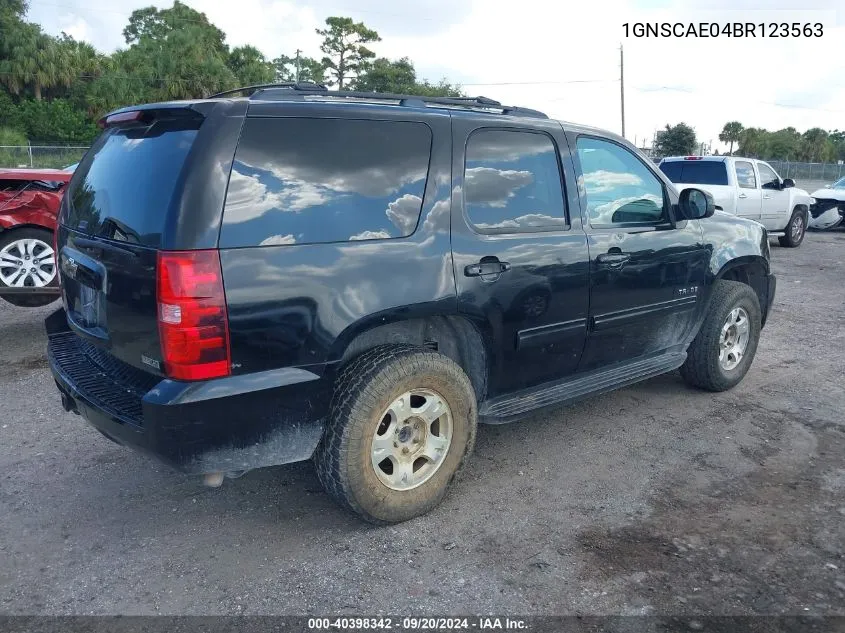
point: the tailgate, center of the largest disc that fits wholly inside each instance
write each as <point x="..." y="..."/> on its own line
<point x="112" y="223"/>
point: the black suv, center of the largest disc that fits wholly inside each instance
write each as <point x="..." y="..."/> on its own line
<point x="284" y="272"/>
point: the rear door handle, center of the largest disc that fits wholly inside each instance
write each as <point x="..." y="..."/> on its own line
<point x="613" y="259"/>
<point x="486" y="268"/>
<point x="742" y="195"/>
<point x="767" y="197"/>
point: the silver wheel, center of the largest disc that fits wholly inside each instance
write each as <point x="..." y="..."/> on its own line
<point x="412" y="439"/>
<point x="27" y="263"/>
<point x="734" y="339"/>
<point x="796" y="230"/>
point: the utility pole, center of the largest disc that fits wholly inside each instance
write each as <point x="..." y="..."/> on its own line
<point x="622" y="85"/>
<point x="297" y="64"/>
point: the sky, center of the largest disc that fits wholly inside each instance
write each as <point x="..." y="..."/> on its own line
<point x="558" y="56"/>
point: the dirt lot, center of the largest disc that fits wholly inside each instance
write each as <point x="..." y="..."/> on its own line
<point x="654" y="499"/>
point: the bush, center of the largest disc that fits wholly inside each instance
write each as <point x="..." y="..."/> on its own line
<point x="11" y="136"/>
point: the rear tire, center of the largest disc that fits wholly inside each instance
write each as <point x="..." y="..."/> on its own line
<point x="795" y="230"/>
<point x="12" y="246"/>
<point x="719" y="357"/>
<point x="368" y="418"/>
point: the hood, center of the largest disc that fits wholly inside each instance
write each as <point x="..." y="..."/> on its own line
<point x="47" y="175"/>
<point x="827" y="193"/>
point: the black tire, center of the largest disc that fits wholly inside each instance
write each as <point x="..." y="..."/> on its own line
<point x="28" y="301"/>
<point x="702" y="368"/>
<point x="797" y="225"/>
<point x="366" y="387"/>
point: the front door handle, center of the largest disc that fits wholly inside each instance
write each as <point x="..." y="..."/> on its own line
<point x="486" y="268"/>
<point x="614" y="259"/>
<point x="742" y="195"/>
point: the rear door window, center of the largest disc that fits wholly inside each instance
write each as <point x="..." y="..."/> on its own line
<point x="696" y="172"/>
<point x="745" y="176"/>
<point x="300" y="181"/>
<point x="124" y="186"/>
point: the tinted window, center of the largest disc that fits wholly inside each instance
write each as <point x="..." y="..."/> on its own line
<point x="767" y="176"/>
<point x="512" y="182"/>
<point x="123" y="187"/>
<point x="745" y="177"/>
<point x="619" y="188"/>
<point x="296" y="181"/>
<point x="696" y="172"/>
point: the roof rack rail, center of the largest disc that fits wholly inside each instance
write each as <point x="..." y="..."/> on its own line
<point x="306" y="86"/>
<point x="298" y="90"/>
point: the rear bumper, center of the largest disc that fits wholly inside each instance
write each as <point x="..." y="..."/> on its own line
<point x="228" y="424"/>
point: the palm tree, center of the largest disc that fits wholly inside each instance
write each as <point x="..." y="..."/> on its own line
<point x="731" y="133"/>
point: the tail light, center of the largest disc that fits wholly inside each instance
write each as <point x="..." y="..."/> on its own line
<point x="192" y="320"/>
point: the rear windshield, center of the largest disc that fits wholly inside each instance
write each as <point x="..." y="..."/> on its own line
<point x="123" y="187"/>
<point x="299" y="181"/>
<point x="696" y="172"/>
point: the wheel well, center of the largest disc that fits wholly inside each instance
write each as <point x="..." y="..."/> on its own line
<point x="453" y="336"/>
<point x="753" y="275"/>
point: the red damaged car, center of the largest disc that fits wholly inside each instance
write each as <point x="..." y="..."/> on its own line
<point x="29" y="204"/>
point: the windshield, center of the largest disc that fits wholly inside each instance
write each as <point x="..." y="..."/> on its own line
<point x="839" y="184"/>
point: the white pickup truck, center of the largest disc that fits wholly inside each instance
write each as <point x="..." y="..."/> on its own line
<point x="748" y="188"/>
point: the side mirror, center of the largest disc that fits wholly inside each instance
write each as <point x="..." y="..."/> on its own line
<point x="787" y="183"/>
<point x="695" y="204"/>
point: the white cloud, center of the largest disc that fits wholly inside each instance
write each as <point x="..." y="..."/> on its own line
<point x="472" y="41"/>
<point x="278" y="240"/>
<point x="603" y="180"/>
<point x="404" y="213"/>
<point x="369" y="235"/>
<point x="493" y="187"/>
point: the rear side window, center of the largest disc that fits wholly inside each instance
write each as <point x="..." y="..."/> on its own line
<point x="123" y="187"/>
<point x="300" y="181"/>
<point x="696" y="172"/>
<point x="512" y="182"/>
<point x="745" y="177"/>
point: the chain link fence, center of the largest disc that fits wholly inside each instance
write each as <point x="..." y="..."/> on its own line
<point x="809" y="176"/>
<point x="40" y="156"/>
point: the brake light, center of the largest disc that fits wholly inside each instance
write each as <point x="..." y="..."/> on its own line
<point x="692" y="157"/>
<point x="192" y="319"/>
<point x="121" y="117"/>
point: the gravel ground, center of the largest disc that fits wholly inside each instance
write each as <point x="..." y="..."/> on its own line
<point x="654" y="499"/>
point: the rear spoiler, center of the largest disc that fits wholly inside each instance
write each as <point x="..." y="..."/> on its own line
<point x="142" y="116"/>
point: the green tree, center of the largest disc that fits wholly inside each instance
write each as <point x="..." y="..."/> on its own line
<point x="753" y="142"/>
<point x="400" y="77"/>
<point x="784" y="144"/>
<point x="731" y="133"/>
<point x="158" y="24"/>
<point x="675" y="140"/>
<point x="346" y="57"/>
<point x="309" y="69"/>
<point x="814" y="145"/>
<point x="250" y="67"/>
<point x="383" y="75"/>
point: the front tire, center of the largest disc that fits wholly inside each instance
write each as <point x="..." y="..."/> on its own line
<point x="795" y="230"/>
<point x="723" y="350"/>
<point x="401" y="424"/>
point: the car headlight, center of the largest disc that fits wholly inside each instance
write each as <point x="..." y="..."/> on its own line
<point x="812" y="201"/>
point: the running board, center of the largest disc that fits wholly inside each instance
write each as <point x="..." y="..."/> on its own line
<point x="510" y="408"/>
